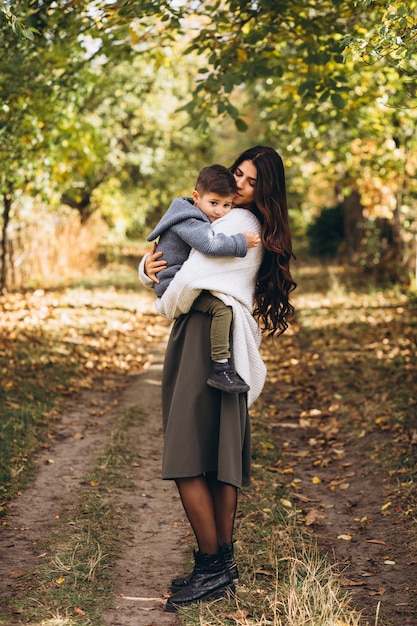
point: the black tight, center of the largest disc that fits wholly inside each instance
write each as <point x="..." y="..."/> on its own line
<point x="210" y="506"/>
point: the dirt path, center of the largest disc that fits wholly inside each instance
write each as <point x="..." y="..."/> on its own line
<point x="155" y="551"/>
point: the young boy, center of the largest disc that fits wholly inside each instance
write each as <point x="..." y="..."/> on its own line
<point x="186" y="225"/>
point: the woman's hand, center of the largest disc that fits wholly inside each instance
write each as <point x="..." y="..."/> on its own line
<point x="154" y="264"/>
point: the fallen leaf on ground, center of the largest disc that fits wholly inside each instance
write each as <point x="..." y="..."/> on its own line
<point x="79" y="611"/>
<point x="352" y="583"/>
<point x="303" y="498"/>
<point x="239" y="616"/>
<point x="380" y="592"/>
<point x="312" y="516"/>
<point x="15" y="575"/>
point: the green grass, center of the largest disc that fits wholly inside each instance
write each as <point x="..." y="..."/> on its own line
<point x="31" y="390"/>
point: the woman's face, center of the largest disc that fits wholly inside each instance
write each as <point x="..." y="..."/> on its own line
<point x="245" y="175"/>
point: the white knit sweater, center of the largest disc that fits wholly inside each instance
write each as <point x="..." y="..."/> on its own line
<point x="232" y="280"/>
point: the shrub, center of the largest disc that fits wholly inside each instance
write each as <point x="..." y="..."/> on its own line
<point x="327" y="232"/>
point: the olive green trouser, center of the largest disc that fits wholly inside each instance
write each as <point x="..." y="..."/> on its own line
<point x="221" y="322"/>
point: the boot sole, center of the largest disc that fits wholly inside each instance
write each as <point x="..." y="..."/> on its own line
<point x="227" y="389"/>
<point x="171" y="607"/>
<point x="175" y="588"/>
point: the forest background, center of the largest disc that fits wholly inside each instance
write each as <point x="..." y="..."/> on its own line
<point x="109" y="110"/>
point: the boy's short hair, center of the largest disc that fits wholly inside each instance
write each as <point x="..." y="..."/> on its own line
<point x="216" y="179"/>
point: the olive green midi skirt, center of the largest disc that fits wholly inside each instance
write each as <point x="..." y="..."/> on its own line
<point x="205" y="430"/>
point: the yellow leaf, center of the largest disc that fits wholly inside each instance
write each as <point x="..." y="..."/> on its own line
<point x="60" y="580"/>
<point x="386" y="505"/>
<point x="345" y="537"/>
<point x="242" y="55"/>
<point x="316" y="480"/>
<point x="12" y="405"/>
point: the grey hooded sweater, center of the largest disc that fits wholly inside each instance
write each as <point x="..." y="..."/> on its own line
<point x="184" y="227"/>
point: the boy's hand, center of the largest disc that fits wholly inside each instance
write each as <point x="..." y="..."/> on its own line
<point x="154" y="264"/>
<point x="252" y="239"/>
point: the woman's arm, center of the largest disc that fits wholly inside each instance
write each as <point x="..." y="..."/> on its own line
<point x="149" y="266"/>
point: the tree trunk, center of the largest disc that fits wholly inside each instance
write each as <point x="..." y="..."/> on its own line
<point x="353" y="214"/>
<point x="396" y="228"/>
<point x="7" y="205"/>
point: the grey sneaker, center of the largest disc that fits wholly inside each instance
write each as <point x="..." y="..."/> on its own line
<point x="224" y="377"/>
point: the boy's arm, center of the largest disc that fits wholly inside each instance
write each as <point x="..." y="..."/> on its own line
<point x="199" y="235"/>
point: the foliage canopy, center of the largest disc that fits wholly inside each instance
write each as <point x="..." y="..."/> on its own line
<point x="119" y="104"/>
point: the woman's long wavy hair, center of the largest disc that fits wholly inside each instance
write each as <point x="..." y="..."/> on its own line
<point x="274" y="282"/>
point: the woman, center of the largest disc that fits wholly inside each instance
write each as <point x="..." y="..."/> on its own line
<point x="207" y="432"/>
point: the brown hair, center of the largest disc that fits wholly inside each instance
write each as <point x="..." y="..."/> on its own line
<point x="274" y="282"/>
<point x="216" y="179"/>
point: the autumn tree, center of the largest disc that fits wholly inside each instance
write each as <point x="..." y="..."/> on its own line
<point x="329" y="83"/>
<point x="45" y="85"/>
<point x="332" y="80"/>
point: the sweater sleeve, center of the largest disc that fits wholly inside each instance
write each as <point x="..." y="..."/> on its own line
<point x="200" y="236"/>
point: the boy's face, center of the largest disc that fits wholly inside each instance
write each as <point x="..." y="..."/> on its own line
<point x="213" y="205"/>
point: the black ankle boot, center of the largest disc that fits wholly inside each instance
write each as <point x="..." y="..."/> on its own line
<point x="179" y="583"/>
<point x="229" y="559"/>
<point x="210" y="579"/>
<point x="222" y="376"/>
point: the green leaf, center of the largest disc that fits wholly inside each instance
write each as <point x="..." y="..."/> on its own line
<point x="26" y="32"/>
<point x="337" y="100"/>
<point x="228" y="84"/>
<point x="309" y="86"/>
<point x="241" y="125"/>
<point x="232" y="111"/>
